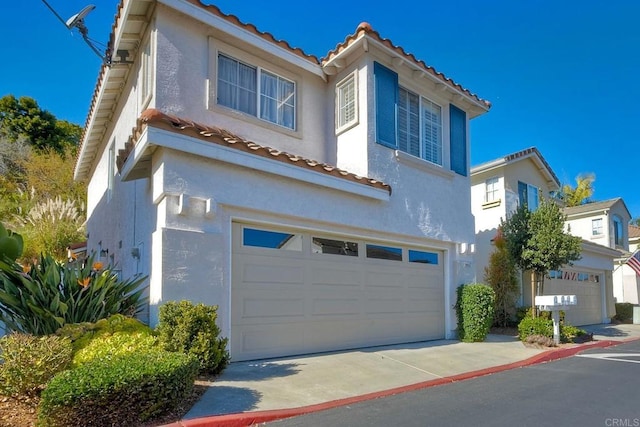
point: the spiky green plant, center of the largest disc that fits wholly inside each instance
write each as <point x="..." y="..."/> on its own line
<point x="44" y="296"/>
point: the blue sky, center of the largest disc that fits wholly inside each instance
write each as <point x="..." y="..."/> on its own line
<point x="562" y="75"/>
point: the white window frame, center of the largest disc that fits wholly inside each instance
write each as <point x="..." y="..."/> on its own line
<point x="146" y="75"/>
<point x="422" y="121"/>
<point x="492" y="190"/>
<point x="111" y="172"/>
<point x="259" y="94"/>
<point x="597" y="227"/>
<point x="342" y="122"/>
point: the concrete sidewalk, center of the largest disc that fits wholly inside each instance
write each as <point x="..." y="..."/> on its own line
<point x="318" y="381"/>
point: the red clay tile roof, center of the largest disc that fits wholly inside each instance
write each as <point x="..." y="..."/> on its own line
<point x="366" y="28"/>
<point x="215" y="135"/>
<point x="634" y="232"/>
<point x="252" y="28"/>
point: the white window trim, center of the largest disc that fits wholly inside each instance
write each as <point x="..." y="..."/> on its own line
<point x="146" y="74"/>
<point x="495" y="191"/>
<point x="340" y="85"/>
<point x="422" y="101"/>
<point x="599" y="230"/>
<point x="111" y="174"/>
<point x="259" y="70"/>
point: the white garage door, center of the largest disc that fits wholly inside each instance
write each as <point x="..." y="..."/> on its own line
<point x="300" y="292"/>
<point x="588" y="289"/>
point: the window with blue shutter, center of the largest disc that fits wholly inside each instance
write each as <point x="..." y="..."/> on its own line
<point x="458" y="138"/>
<point x="386" y="93"/>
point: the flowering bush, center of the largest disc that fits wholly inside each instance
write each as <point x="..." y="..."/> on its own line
<point x="41" y="297"/>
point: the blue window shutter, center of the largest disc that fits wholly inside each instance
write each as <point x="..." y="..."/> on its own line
<point x="386" y="93"/>
<point x="458" y="138"/>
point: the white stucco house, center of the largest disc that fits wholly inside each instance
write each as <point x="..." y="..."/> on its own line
<point x="322" y="204"/>
<point x="607" y="223"/>
<point x="498" y="187"/>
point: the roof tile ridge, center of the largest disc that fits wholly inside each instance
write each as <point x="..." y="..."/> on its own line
<point x="366" y="28"/>
<point x="252" y="28"/>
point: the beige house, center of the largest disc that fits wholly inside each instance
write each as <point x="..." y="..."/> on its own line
<point x="234" y="169"/>
<point x="498" y="187"/>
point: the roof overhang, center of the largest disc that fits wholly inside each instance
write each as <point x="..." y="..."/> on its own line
<point x="365" y="38"/>
<point x="131" y="22"/>
<point x="531" y="153"/>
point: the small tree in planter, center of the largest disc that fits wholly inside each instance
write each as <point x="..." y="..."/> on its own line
<point x="501" y="275"/>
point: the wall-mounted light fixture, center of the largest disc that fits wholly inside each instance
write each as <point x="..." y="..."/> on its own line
<point x="104" y="253"/>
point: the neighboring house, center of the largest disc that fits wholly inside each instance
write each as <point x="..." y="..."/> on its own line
<point x="634" y="238"/>
<point x="607" y="223"/>
<point x="604" y="223"/>
<point x="525" y="177"/>
<point x="198" y="154"/>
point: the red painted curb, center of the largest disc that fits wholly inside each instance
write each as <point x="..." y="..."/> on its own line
<point x="244" y="419"/>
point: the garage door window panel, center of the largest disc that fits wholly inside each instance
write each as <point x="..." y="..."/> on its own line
<point x="321" y="245"/>
<point x="271" y="239"/>
<point x="423" y="257"/>
<point x="384" y="252"/>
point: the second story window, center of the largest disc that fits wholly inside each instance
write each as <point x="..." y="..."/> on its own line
<point x="528" y="195"/>
<point x="419" y="127"/>
<point x="596" y="227"/>
<point x="492" y="191"/>
<point x="346" y="103"/>
<point x="617" y="230"/>
<point x="255" y="91"/>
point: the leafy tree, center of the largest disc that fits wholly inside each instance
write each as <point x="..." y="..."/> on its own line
<point x="537" y="241"/>
<point x="23" y="118"/>
<point x="636" y="221"/>
<point x="501" y="275"/>
<point x="581" y="193"/>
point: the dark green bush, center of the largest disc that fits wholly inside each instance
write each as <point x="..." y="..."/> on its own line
<point x="108" y="338"/>
<point x="538" y="326"/>
<point x="543" y="325"/>
<point x="624" y="312"/>
<point x="192" y="329"/>
<point x="122" y="391"/>
<point x="474" y="308"/>
<point x="28" y="362"/>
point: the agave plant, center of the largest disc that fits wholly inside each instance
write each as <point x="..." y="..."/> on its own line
<point x="43" y="296"/>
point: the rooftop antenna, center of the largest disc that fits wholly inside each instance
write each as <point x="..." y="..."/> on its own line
<point x="77" y="21"/>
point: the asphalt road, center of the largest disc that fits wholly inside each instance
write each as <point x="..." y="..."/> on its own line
<point x="599" y="387"/>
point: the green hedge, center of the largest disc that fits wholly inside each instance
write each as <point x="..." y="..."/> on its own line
<point x="543" y="326"/>
<point x="192" y="329"/>
<point x="126" y="390"/>
<point x="475" y="309"/>
<point x="108" y="338"/>
<point x="28" y="362"/>
<point x="624" y="312"/>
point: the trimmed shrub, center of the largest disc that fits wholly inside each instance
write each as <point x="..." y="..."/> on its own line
<point x="125" y="390"/>
<point x="108" y="338"/>
<point x="28" y="362"/>
<point x="624" y="312"/>
<point x="474" y="308"/>
<point x="192" y="329"/>
<point x="535" y="326"/>
<point x="543" y="326"/>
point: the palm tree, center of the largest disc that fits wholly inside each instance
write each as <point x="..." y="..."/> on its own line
<point x="581" y="193"/>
